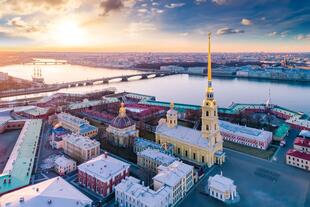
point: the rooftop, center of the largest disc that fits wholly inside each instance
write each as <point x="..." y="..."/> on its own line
<point x="296" y="153"/>
<point x="81" y="141"/>
<point x="221" y="183"/>
<point x="54" y="192"/>
<point x="172" y="174"/>
<point x="302" y="142"/>
<point x="158" y="156"/>
<point x="305" y="133"/>
<point x="244" y="131"/>
<point x="63" y="161"/>
<point x="71" y="119"/>
<point x="103" y="167"/>
<point x="132" y="187"/>
<point x="183" y="134"/>
<point x="19" y="165"/>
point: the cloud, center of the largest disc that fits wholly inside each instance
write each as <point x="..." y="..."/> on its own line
<point x="303" y="37"/>
<point x="263" y="18"/>
<point x="21" y="25"/>
<point x="200" y="1"/>
<point x="220" y="2"/>
<point x="246" y="22"/>
<point x="111" y="5"/>
<point x="224" y="31"/>
<point x="174" y="5"/>
<point x="272" y="34"/>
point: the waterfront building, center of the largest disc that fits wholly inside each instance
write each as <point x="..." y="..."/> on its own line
<point x="152" y="158"/>
<point x="77" y="125"/>
<point x="130" y="192"/>
<point x="4" y="76"/>
<point x="64" y="165"/>
<point x="122" y="130"/>
<point x="18" y="168"/>
<point x="298" y="159"/>
<point x="101" y="174"/>
<point x="222" y="188"/>
<point x="80" y="148"/>
<point x="245" y="135"/>
<point x="196" y="70"/>
<point x="172" y="68"/>
<point x="203" y="147"/>
<point x="54" y="192"/>
<point x="178" y="176"/>
<point x="302" y="144"/>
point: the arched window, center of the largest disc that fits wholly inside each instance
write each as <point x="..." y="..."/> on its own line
<point x="207" y="113"/>
<point x="207" y="127"/>
<point x="215" y="113"/>
<point x="215" y="126"/>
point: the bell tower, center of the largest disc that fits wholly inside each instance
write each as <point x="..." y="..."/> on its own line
<point x="209" y="117"/>
<point x="172" y="116"/>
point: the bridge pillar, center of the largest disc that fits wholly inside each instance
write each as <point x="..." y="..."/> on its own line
<point x="144" y="76"/>
<point x="158" y="75"/>
<point x="124" y="79"/>
<point x="105" y="81"/>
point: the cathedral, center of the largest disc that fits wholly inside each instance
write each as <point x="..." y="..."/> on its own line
<point x="122" y="130"/>
<point x="203" y="147"/>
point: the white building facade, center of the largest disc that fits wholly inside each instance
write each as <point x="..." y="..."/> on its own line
<point x="64" y="165"/>
<point x="131" y="192"/>
<point x="178" y="176"/>
<point x="80" y="148"/>
<point x="222" y="188"/>
<point x="153" y="158"/>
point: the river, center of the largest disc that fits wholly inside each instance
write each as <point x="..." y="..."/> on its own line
<point x="177" y="88"/>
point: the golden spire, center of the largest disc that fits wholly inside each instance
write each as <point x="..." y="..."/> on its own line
<point x="209" y="89"/>
<point x="122" y="110"/>
<point x="171" y="105"/>
<point x="209" y="59"/>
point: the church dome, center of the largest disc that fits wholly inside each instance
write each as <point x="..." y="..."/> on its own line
<point x="122" y="120"/>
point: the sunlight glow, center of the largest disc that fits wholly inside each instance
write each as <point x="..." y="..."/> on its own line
<point x="69" y="33"/>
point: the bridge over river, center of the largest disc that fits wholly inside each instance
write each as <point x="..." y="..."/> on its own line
<point x="103" y="80"/>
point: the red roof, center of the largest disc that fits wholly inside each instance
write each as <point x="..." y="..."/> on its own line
<point x="302" y="142"/>
<point x="298" y="154"/>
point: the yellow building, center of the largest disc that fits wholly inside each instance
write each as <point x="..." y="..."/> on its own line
<point x="203" y="147"/>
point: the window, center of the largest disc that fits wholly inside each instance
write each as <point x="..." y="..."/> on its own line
<point x="202" y="159"/>
<point x="215" y="113"/>
<point x="194" y="156"/>
<point x="185" y="153"/>
<point x="215" y="126"/>
<point x="179" y="150"/>
<point x="207" y="127"/>
<point x="207" y="113"/>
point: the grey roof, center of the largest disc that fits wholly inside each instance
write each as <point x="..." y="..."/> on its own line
<point x="183" y="134"/>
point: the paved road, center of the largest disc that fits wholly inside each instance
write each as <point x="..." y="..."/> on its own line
<point x="259" y="182"/>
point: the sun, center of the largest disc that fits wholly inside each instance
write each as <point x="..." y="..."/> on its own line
<point x="68" y="32"/>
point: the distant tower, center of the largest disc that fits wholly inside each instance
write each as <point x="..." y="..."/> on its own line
<point x="172" y="116"/>
<point x="209" y="118"/>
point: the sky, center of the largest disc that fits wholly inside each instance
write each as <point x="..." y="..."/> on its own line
<point x="155" y="25"/>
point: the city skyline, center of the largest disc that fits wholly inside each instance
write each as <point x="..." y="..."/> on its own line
<point x="154" y="26"/>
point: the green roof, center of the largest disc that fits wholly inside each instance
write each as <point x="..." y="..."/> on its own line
<point x="178" y="106"/>
<point x="19" y="166"/>
<point x="281" y="131"/>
